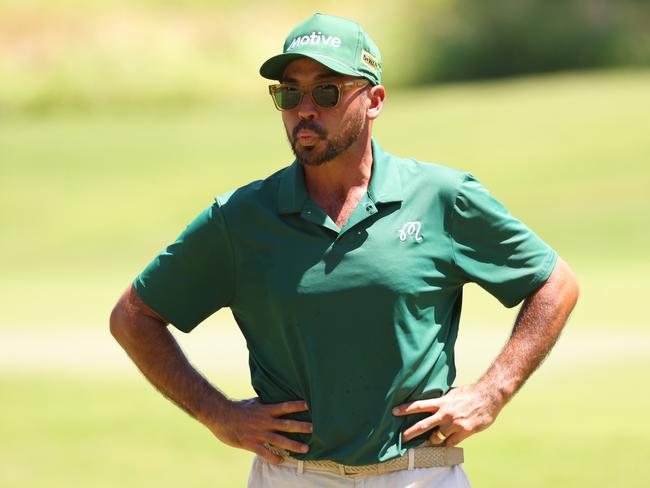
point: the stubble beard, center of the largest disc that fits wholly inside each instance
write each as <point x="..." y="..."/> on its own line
<point x="350" y="131"/>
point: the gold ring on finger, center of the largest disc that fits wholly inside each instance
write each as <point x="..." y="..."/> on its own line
<point x="441" y="436"/>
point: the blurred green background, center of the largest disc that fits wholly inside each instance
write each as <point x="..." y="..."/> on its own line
<point x="120" y="121"/>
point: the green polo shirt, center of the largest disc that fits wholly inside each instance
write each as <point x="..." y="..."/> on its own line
<point x="354" y="320"/>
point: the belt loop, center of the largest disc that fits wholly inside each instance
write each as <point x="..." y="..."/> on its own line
<point x="411" y="454"/>
<point x="341" y="470"/>
<point x="301" y="466"/>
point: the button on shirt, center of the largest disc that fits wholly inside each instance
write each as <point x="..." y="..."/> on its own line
<point x="353" y="320"/>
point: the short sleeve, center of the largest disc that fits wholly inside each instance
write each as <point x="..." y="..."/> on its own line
<point x="194" y="276"/>
<point x="494" y="249"/>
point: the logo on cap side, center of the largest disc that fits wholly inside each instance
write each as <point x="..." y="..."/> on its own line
<point x="315" y="38"/>
<point x="369" y="60"/>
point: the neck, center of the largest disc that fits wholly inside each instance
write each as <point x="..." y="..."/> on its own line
<point x="349" y="172"/>
<point x="338" y="185"/>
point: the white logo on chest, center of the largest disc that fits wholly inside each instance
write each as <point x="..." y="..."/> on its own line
<point x="411" y="229"/>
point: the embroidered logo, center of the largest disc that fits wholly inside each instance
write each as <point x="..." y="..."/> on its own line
<point x="369" y="60"/>
<point x="411" y="229"/>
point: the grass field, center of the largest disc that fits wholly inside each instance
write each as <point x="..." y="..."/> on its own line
<point x="88" y="198"/>
<point x="572" y="427"/>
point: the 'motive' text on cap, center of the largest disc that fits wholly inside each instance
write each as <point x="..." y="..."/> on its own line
<point x="335" y="42"/>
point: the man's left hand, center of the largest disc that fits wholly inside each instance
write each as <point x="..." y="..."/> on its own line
<point x="457" y="415"/>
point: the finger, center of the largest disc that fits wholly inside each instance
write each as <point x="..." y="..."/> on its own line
<point x="418" y="406"/>
<point x="279" y="409"/>
<point x="420" y="428"/>
<point x="440" y="435"/>
<point x="267" y="455"/>
<point x="455" y="439"/>
<point x="288" y="444"/>
<point x="285" y="425"/>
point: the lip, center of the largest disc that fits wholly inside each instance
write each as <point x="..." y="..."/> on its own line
<point x="307" y="137"/>
<point x="306" y="134"/>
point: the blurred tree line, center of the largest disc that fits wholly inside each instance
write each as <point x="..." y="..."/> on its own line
<point x="478" y="39"/>
<point x="80" y="54"/>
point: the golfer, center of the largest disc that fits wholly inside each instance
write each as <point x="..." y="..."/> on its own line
<point x="345" y="272"/>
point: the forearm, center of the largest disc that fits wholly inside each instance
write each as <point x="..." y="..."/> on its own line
<point x="156" y="353"/>
<point x="470" y="409"/>
<point x="244" y="424"/>
<point x="537" y="328"/>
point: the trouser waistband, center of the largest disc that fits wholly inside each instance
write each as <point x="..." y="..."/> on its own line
<point x="418" y="457"/>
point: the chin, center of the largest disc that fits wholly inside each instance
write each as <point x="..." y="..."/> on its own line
<point x="309" y="158"/>
<point x="311" y="155"/>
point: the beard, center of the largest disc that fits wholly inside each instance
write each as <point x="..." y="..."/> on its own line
<point x="350" y="130"/>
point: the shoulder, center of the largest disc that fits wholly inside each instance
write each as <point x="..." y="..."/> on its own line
<point x="254" y="195"/>
<point x="434" y="179"/>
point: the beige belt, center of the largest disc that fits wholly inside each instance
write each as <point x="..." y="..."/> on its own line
<point x="418" y="457"/>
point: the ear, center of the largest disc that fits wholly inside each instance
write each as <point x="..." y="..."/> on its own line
<point x="376" y="98"/>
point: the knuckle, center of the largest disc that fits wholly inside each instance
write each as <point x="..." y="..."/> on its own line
<point x="445" y="415"/>
<point x="274" y="439"/>
<point x="467" y="427"/>
<point x="268" y="456"/>
<point x="295" y="446"/>
<point x="428" y="424"/>
<point x="412" y="407"/>
<point x="280" y="424"/>
<point x="248" y="440"/>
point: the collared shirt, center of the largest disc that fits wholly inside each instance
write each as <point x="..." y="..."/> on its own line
<point x="353" y="320"/>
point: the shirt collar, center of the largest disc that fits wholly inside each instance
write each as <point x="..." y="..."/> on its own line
<point x="385" y="183"/>
<point x="292" y="192"/>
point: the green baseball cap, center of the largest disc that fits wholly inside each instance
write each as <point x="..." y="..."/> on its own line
<point x="338" y="43"/>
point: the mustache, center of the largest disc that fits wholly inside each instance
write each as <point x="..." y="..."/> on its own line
<point x="308" y="124"/>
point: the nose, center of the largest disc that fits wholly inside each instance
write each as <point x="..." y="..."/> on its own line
<point x="307" y="108"/>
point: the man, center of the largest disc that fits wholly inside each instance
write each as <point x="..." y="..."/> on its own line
<point x="344" y="272"/>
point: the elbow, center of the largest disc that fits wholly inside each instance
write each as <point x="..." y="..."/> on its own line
<point x="131" y="321"/>
<point x="575" y="291"/>
<point x="570" y="287"/>
<point x="122" y="318"/>
<point x="117" y="321"/>
<point x="573" y="287"/>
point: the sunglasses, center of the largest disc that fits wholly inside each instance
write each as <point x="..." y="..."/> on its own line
<point x="325" y="94"/>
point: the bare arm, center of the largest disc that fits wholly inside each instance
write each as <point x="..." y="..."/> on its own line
<point x="470" y="409"/>
<point x="245" y="424"/>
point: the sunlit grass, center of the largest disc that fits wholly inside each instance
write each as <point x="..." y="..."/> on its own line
<point x="578" y="427"/>
<point x="93" y="431"/>
<point x="89" y="199"/>
<point x="119" y="121"/>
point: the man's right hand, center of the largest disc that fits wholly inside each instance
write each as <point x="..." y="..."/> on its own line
<point x="247" y="424"/>
<point x="250" y="424"/>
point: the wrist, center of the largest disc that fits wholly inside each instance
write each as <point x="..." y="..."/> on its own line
<point x="498" y="394"/>
<point x="213" y="409"/>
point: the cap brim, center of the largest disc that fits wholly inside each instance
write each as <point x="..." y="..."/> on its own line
<point x="273" y="68"/>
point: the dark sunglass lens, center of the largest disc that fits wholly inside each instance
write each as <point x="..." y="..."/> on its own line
<point x="287" y="97"/>
<point x="326" y="95"/>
